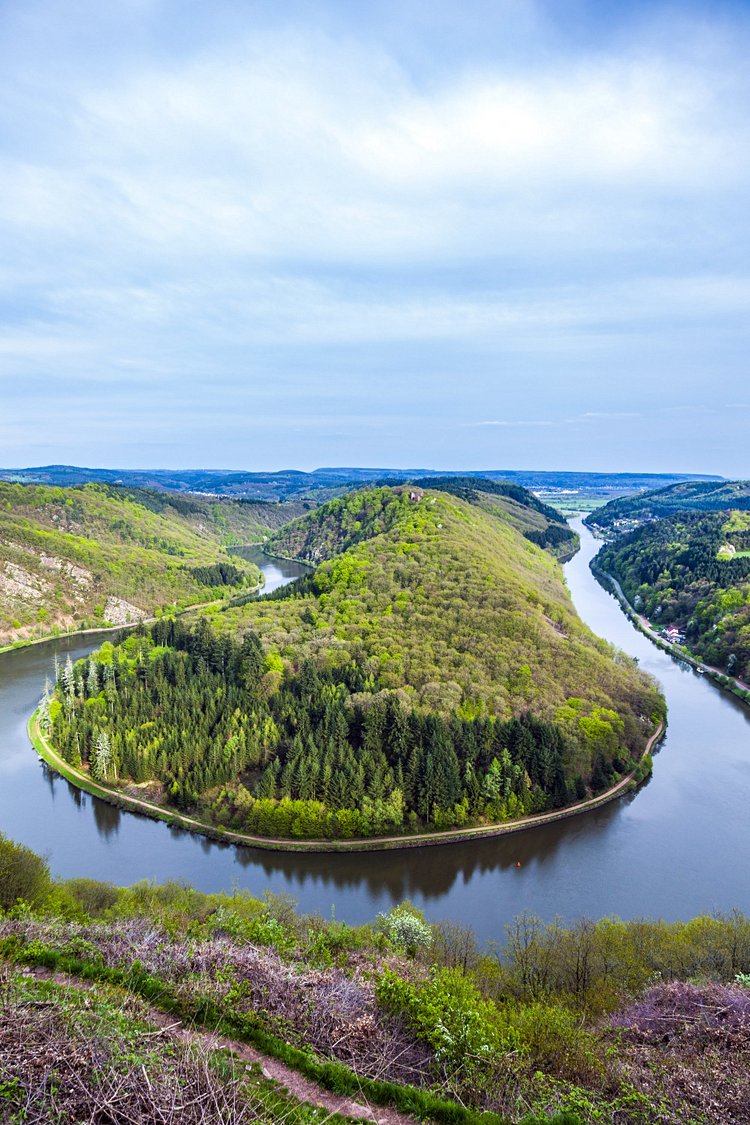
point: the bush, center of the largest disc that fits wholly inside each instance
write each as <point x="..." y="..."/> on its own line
<point x="405" y="927"/>
<point x="24" y="876"/>
<point x="468" y="1035"/>
<point x="93" y="897"/>
<point x="554" y="1041"/>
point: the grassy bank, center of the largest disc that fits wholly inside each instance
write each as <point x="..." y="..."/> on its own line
<point x="173" y="818"/>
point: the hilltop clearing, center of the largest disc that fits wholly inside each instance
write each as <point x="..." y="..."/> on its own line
<point x="97" y="555"/>
<point x="625" y="514"/>
<point x="431" y="672"/>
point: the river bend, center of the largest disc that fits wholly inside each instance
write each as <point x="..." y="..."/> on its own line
<point x="678" y="847"/>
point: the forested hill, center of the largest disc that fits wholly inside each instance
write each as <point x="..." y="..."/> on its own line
<point x="431" y="673"/>
<point x="342" y="523"/>
<point x="230" y="521"/>
<point x="692" y="571"/>
<point x="469" y="488"/>
<point x="623" y="515"/>
<point x="75" y="557"/>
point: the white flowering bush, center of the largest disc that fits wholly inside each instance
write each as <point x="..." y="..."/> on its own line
<point x="406" y="928"/>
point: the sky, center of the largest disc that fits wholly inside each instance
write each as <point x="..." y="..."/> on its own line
<point x="424" y="233"/>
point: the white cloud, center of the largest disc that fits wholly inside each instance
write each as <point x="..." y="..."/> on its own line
<point x="544" y="423"/>
<point x="304" y="147"/>
<point x="233" y="206"/>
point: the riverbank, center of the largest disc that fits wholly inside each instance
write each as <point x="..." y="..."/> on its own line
<point x="174" y="819"/>
<point x="97" y="631"/>
<point x="102" y="630"/>
<point x="735" y="686"/>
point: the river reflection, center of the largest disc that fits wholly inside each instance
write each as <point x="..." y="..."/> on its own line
<point x="677" y="847"/>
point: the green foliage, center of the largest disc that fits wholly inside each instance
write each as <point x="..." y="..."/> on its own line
<point x="685" y="496"/>
<point x="24" y="876"/>
<point x="673" y="570"/>
<point x="219" y="574"/>
<point x="80" y="557"/>
<point x="466" y="1033"/>
<point x="553" y="1040"/>
<point x="434" y="674"/>
<point x="319" y="758"/>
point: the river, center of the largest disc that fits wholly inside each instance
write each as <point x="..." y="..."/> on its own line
<point x="678" y="847"/>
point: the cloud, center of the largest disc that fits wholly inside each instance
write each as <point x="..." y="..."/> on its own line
<point x="268" y="201"/>
<point x="295" y="145"/>
<point x="588" y="415"/>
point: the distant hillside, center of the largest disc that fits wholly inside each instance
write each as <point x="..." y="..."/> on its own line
<point x="431" y="672"/>
<point x="73" y="557"/>
<point x="571" y="490"/>
<point x="691" y="571"/>
<point x="232" y="522"/>
<point x="627" y="513"/>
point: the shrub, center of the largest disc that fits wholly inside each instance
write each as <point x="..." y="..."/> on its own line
<point x="93" y="897"/>
<point x="405" y="927"/>
<point x="24" y="876"/>
<point x="554" y="1040"/>
<point x="468" y="1034"/>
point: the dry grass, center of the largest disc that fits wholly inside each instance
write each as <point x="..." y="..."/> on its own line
<point x="329" y="1010"/>
<point x="84" y="1061"/>
<point x="688" y="1048"/>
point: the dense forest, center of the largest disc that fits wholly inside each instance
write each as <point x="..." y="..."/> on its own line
<point x="432" y="674"/>
<point x="99" y="553"/>
<point x="627" y="512"/>
<point x="537" y="521"/>
<point x="692" y="570"/>
<point x="338" y="525"/>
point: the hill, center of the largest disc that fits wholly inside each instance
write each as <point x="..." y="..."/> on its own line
<point x="626" y="513"/>
<point x="691" y="571"/>
<point x="430" y="672"/>
<point x="337" y="527"/>
<point x="538" y="522"/>
<point x="76" y="557"/>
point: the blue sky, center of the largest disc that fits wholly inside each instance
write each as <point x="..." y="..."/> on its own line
<point x="496" y="234"/>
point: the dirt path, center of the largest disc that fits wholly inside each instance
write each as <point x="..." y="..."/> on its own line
<point x="376" y="843"/>
<point x="300" y="1087"/>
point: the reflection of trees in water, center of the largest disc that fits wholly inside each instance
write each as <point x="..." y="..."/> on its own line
<point x="425" y="873"/>
<point x="107" y="817"/>
<point x="50" y="777"/>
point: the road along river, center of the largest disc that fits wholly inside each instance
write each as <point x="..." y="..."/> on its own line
<point x="678" y="847"/>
